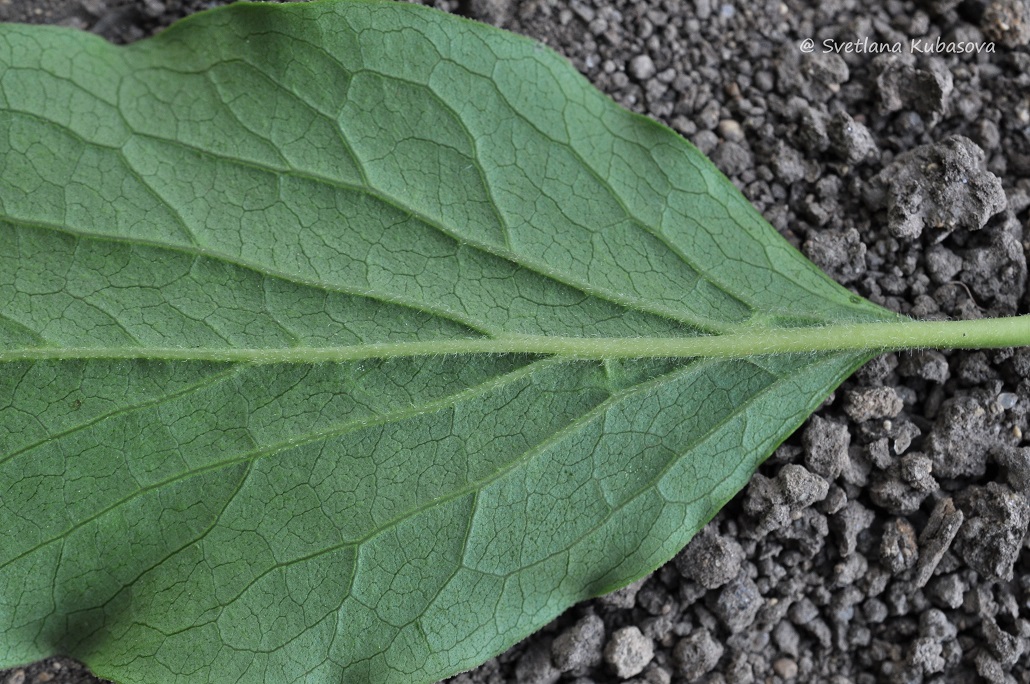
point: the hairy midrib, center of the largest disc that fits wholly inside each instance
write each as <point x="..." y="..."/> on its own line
<point x="904" y="334"/>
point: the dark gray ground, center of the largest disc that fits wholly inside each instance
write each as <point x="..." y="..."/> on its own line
<point x="887" y="540"/>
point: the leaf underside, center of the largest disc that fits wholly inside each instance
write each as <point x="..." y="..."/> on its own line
<point x="343" y="174"/>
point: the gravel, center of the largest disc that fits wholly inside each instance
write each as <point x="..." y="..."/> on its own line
<point x="887" y="540"/>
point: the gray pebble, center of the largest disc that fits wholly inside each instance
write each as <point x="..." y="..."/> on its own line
<point x="1015" y="462"/>
<point x="786" y="638"/>
<point x="710" y="559"/>
<point x="875" y="611"/>
<point x="655" y="674"/>
<point x="904" y="86"/>
<point x="947" y="591"/>
<point x="924" y="655"/>
<point x="988" y="667"/>
<point x="848" y="523"/>
<point x="898" y="548"/>
<point x="787" y="163"/>
<point x="826" y="447"/>
<point x="812" y="125"/>
<point x="992" y="536"/>
<point x="927" y="364"/>
<point x="849" y="139"/>
<point x="1007" y="21"/>
<point x="907" y="482"/>
<point x="803" y="611"/>
<point x="775" y="502"/>
<point x="1007" y="648"/>
<point x="936" y="538"/>
<point x="873" y="403"/>
<point x="642" y="67"/>
<point x="624" y="598"/>
<point x="705" y="141"/>
<point x="732" y="158"/>
<point x="841" y="253"/>
<point x="960" y="438"/>
<point x="942" y="264"/>
<point x="941" y="186"/>
<point x="628" y="652"/>
<point x="580" y="645"/>
<point x="535" y="667"/>
<point x="903" y="433"/>
<point x="786" y="668"/>
<point x="738" y="603"/>
<point x="800" y="487"/>
<point x="997" y="272"/>
<point x="934" y="624"/>
<point x="697" y="654"/>
<point x="496" y="12"/>
<point x="730" y="130"/>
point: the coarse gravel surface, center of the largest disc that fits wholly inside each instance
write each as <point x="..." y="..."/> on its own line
<point x="886" y="541"/>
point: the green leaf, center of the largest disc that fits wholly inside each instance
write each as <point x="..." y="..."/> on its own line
<point x="296" y="314"/>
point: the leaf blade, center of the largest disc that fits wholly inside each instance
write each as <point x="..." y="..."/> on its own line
<point x="237" y="184"/>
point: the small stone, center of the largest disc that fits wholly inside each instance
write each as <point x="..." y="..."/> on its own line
<point x="916" y="470"/>
<point x="826" y="447"/>
<point x="628" y="652"/>
<point x="841" y="253"/>
<point x="934" y="624"/>
<point x="802" y="612"/>
<point x="697" y="654"/>
<point x="849" y="139"/>
<point x="1015" y="463"/>
<point x="775" y="502"/>
<point x="875" y="611"/>
<point x="1007" y="648"/>
<point x="496" y="12"/>
<point x="941" y="186"/>
<point x="732" y="158"/>
<point x="579" y="646"/>
<point x="992" y="535"/>
<point x="942" y="264"/>
<point x="738" y="603"/>
<point x="787" y="163"/>
<point x="728" y="129"/>
<point x="848" y="523"/>
<point x="705" y="141"/>
<point x="936" y="538"/>
<point x="642" y="67"/>
<point x="925" y="655"/>
<point x="903" y="86"/>
<point x="1007" y="21"/>
<point x="786" y="638"/>
<point x="990" y="669"/>
<point x="812" y="126"/>
<point x="624" y="598"/>
<point x="903" y="434"/>
<point x="873" y="403"/>
<point x="947" y="591"/>
<point x="898" y="548"/>
<point x="785" y="668"/>
<point x="656" y="674"/>
<point x="711" y="560"/>
<point x="907" y="482"/>
<point x="800" y="487"/>
<point x="927" y="364"/>
<point x="960" y="438"/>
<point x="535" y="667"/>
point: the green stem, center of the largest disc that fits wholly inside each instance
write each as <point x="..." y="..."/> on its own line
<point x="872" y="337"/>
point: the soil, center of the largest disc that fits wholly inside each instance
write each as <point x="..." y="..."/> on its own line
<point x="887" y="540"/>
